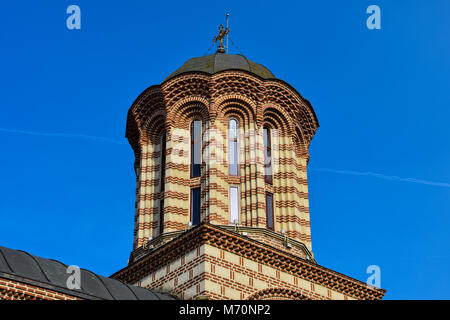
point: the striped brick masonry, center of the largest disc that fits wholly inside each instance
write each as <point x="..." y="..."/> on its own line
<point x="256" y="103"/>
<point x="218" y="263"/>
<point x="267" y="252"/>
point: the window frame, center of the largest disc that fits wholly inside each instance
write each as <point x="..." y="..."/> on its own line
<point x="162" y="176"/>
<point x="191" y="217"/>
<point x="272" y="211"/>
<point x="235" y="140"/>
<point x="161" y="216"/>
<point x="192" y="134"/>
<point x="267" y="155"/>
<point x="238" y="203"/>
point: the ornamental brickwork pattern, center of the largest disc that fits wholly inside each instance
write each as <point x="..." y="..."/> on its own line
<point x="222" y="264"/>
<point x="256" y="103"/>
<point x="15" y="290"/>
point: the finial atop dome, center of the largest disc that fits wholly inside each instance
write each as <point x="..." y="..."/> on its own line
<point x="220" y="36"/>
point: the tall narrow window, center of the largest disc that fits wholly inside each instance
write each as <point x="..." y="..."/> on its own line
<point x="269" y="210"/>
<point x="267" y="156"/>
<point x="233" y="155"/>
<point x="234" y="204"/>
<point x="161" y="216"/>
<point x="195" y="206"/>
<point x="196" y="147"/>
<point x="162" y="171"/>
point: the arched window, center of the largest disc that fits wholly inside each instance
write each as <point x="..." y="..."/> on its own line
<point x="267" y="156"/>
<point x="162" y="171"/>
<point x="233" y="152"/>
<point x="196" y="147"/>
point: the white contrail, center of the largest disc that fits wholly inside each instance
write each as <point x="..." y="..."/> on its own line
<point x="383" y="176"/>
<point x="64" y="135"/>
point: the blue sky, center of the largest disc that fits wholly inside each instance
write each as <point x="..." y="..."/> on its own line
<point x="382" y="98"/>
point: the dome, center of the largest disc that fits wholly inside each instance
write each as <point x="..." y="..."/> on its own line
<point x="221" y="61"/>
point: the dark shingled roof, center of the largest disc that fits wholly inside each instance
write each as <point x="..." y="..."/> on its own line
<point x="51" y="274"/>
<point x="219" y="62"/>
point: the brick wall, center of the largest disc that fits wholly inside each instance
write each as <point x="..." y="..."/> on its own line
<point x="223" y="264"/>
<point x="218" y="274"/>
<point x="14" y="290"/>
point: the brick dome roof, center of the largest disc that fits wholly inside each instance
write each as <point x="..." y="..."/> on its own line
<point x="221" y="61"/>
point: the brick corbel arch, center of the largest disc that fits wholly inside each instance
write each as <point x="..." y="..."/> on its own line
<point x="246" y="104"/>
<point x="279" y="116"/>
<point x="188" y="108"/>
<point x="299" y="109"/>
<point x="152" y="127"/>
<point x="277" y="294"/>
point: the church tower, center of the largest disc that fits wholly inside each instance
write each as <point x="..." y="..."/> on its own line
<point x="221" y="149"/>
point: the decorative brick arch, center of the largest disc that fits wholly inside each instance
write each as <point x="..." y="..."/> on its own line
<point x="143" y="107"/>
<point x="300" y="146"/>
<point x="277" y="118"/>
<point x="184" y="86"/>
<point x="185" y="110"/>
<point x="243" y="107"/>
<point x="278" y="294"/>
<point x="214" y="90"/>
<point x="154" y="125"/>
<point x="300" y="111"/>
<point x="237" y="83"/>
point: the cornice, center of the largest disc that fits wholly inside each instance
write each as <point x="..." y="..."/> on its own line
<point x="254" y="250"/>
<point x="168" y="92"/>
